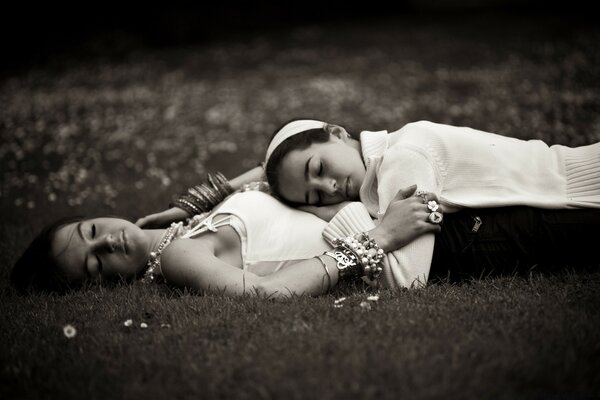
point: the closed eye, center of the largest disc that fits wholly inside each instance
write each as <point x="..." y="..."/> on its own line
<point x="320" y="169"/>
<point x="99" y="265"/>
<point x="93" y="231"/>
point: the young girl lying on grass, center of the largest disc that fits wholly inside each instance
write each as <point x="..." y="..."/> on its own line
<point x="316" y="163"/>
<point x="250" y="244"/>
<point x="253" y="244"/>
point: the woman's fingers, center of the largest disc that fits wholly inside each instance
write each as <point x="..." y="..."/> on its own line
<point x="405" y="193"/>
<point x="145" y="221"/>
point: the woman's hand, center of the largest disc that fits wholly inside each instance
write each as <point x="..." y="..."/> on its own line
<point x="405" y="219"/>
<point x="325" y="212"/>
<point x="163" y="218"/>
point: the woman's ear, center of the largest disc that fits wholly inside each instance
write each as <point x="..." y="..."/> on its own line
<point x="338" y="132"/>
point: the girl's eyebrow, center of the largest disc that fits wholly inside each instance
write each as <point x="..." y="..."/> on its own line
<point x="80" y="232"/>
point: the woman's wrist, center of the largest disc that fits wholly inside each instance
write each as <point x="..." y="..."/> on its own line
<point x="253" y="175"/>
<point x="381" y="238"/>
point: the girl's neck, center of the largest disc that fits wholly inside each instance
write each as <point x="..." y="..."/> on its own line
<point x="154" y="236"/>
<point x="355" y="144"/>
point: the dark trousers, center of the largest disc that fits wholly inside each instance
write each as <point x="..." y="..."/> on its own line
<point x="476" y="243"/>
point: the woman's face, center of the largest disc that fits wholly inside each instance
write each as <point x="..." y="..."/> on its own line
<point x="100" y="248"/>
<point x="323" y="173"/>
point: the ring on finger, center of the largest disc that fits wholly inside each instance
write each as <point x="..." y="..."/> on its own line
<point x="435" y="217"/>
<point x="433" y="205"/>
<point x="422" y="195"/>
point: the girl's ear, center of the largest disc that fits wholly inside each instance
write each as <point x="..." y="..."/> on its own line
<point x="338" y="132"/>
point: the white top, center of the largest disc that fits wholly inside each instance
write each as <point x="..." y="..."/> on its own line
<point x="272" y="234"/>
<point x="465" y="168"/>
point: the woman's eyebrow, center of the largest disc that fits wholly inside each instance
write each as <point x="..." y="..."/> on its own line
<point x="79" y="230"/>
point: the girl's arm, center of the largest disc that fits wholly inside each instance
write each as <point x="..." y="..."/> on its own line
<point x="252" y="175"/>
<point x="196" y="267"/>
<point x="163" y="218"/>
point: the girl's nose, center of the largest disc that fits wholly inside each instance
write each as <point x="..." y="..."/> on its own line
<point x="106" y="243"/>
<point x="328" y="186"/>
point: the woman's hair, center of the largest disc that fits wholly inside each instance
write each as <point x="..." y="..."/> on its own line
<point x="299" y="141"/>
<point x="36" y="269"/>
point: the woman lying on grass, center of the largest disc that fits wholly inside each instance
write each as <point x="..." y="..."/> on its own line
<point x="316" y="163"/>
<point x="250" y="244"/>
<point x="253" y="244"/>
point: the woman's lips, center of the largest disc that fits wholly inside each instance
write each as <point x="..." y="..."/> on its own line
<point x="348" y="188"/>
<point x="124" y="241"/>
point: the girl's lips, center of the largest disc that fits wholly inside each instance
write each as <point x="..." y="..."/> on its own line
<point x="348" y="188"/>
<point x="124" y="241"/>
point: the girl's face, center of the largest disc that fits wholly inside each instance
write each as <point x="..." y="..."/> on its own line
<point x="100" y="248"/>
<point x="323" y="173"/>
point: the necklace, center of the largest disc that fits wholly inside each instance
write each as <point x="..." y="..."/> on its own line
<point x="195" y="226"/>
<point x="153" y="265"/>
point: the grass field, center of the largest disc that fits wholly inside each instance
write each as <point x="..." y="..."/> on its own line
<point x="123" y="135"/>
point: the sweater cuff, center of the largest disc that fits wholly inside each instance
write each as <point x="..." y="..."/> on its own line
<point x="352" y="219"/>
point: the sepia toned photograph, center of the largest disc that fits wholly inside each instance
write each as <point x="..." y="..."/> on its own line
<point x="300" y="200"/>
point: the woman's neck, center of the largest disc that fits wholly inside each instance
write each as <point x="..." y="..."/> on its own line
<point x="154" y="236"/>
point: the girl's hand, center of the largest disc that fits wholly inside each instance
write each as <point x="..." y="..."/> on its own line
<point x="163" y="218"/>
<point x="325" y="212"/>
<point x="405" y="219"/>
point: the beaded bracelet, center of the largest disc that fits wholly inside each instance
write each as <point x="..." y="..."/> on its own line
<point x="370" y="253"/>
<point x="357" y="257"/>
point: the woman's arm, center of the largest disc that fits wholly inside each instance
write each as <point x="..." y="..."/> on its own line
<point x="163" y="218"/>
<point x="191" y="264"/>
<point x="252" y="175"/>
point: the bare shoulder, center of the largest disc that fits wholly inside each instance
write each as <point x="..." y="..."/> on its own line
<point x="183" y="250"/>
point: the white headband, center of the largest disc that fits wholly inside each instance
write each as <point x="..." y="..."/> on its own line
<point x="290" y="130"/>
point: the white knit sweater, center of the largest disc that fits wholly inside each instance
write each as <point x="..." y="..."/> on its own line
<point x="465" y="168"/>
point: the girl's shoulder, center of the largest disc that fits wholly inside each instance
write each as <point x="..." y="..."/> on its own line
<point x="421" y="128"/>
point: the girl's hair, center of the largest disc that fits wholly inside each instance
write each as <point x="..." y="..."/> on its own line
<point x="36" y="269"/>
<point x="299" y="141"/>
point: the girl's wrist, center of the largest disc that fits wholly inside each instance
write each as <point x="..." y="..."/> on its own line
<point x="381" y="238"/>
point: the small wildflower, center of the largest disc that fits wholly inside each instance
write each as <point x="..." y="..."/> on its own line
<point x="338" y="301"/>
<point x="365" y="305"/>
<point x="69" y="331"/>
<point x="374" y="297"/>
<point x="165" y="325"/>
<point x="143" y="325"/>
<point x="128" y="323"/>
<point x="338" y="305"/>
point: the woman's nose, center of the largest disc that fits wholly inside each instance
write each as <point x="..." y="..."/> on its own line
<point x="106" y="243"/>
<point x="328" y="186"/>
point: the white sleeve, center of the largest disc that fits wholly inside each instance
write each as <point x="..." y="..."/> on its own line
<point x="409" y="266"/>
<point x="350" y="220"/>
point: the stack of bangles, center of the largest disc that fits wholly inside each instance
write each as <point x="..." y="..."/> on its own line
<point x="356" y="257"/>
<point x="202" y="198"/>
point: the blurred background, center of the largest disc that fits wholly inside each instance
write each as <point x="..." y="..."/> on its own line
<point x="117" y="107"/>
<point x="37" y="33"/>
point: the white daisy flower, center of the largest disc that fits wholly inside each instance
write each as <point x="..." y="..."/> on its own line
<point x="69" y="331"/>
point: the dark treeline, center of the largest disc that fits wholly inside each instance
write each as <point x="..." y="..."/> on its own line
<point x="31" y="33"/>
